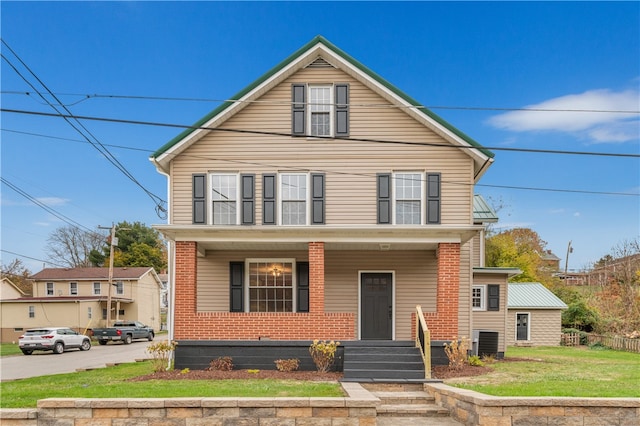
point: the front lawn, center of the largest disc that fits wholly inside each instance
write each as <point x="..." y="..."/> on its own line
<point x="9" y="349"/>
<point x="559" y="371"/>
<point x="113" y="382"/>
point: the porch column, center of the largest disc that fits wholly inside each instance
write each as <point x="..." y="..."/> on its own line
<point x="186" y="266"/>
<point x="316" y="277"/>
<point x="448" y="291"/>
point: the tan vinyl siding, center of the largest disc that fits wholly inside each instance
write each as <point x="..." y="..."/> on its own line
<point x="492" y="320"/>
<point x="415" y="280"/>
<point x="545" y="327"/>
<point x="350" y="166"/>
<point x="476" y="242"/>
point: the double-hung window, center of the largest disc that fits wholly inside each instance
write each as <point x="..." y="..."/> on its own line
<point x="478" y="298"/>
<point x="119" y="287"/>
<point x="73" y="289"/>
<point x="408" y="198"/>
<point x="320" y="103"/>
<point x="96" y="289"/>
<point x="49" y="289"/>
<point x="293" y="190"/>
<point x="32" y="311"/>
<point x="271" y="285"/>
<point x="224" y="197"/>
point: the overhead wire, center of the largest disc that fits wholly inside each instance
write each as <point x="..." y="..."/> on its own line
<point x="158" y="201"/>
<point x="348" y="173"/>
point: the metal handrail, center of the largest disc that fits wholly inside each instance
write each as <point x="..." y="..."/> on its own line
<point x="423" y="341"/>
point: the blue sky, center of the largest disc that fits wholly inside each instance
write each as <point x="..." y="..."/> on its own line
<point x="483" y="61"/>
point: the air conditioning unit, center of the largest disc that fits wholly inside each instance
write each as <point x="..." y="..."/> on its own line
<point x="485" y="342"/>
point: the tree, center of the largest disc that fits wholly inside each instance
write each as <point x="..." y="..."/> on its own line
<point x="138" y="245"/>
<point x="71" y="246"/>
<point x="516" y="248"/>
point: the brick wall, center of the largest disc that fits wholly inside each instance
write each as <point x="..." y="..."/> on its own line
<point x="443" y="323"/>
<point x="193" y="325"/>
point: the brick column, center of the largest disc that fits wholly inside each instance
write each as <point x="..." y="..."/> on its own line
<point x="444" y="322"/>
<point x="185" y="287"/>
<point x="316" y="277"/>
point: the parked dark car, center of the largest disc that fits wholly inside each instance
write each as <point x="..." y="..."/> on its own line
<point x="124" y="331"/>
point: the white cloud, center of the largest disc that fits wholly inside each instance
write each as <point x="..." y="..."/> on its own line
<point x="576" y="214"/>
<point x="560" y="115"/>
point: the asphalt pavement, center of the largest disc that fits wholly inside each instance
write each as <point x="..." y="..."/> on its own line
<point x="48" y="363"/>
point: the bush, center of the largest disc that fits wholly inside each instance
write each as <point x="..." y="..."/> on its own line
<point x="287" y="365"/>
<point x="457" y="352"/>
<point x="223" y="363"/>
<point x="475" y="361"/>
<point x="160" y="352"/>
<point x="323" y="354"/>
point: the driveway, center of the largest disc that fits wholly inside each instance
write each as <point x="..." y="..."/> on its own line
<point x="47" y="363"/>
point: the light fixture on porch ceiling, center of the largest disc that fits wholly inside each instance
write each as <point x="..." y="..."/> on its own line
<point x="276" y="272"/>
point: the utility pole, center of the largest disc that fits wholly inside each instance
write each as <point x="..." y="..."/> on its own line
<point x="566" y="262"/>
<point x="113" y="242"/>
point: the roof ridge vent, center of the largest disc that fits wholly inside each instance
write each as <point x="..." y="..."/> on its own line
<point x="320" y="62"/>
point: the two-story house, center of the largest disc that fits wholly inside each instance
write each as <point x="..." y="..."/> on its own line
<point x="79" y="297"/>
<point x="320" y="202"/>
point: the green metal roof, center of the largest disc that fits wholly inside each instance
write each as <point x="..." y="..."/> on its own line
<point x="482" y="211"/>
<point x="532" y="296"/>
<point x="346" y="57"/>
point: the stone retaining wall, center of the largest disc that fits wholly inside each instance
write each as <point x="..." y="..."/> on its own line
<point x="473" y="408"/>
<point x="358" y="409"/>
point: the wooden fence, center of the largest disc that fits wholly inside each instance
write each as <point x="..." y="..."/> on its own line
<point x="615" y="342"/>
<point x="570" y="339"/>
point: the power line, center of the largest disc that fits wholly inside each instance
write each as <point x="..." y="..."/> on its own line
<point x="263" y="164"/>
<point x="85" y="97"/>
<point x="33" y="258"/>
<point x="159" y="202"/>
<point x="284" y="134"/>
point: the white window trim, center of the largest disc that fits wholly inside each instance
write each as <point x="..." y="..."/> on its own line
<point x="119" y="285"/>
<point x="294" y="282"/>
<point x="31" y="311"/>
<point x="71" y="293"/>
<point x="209" y="199"/>
<point x="46" y="289"/>
<point x="515" y="322"/>
<point x="93" y="289"/>
<point x="307" y="201"/>
<point x="332" y="109"/>
<point x="394" y="198"/>
<point x="483" y="297"/>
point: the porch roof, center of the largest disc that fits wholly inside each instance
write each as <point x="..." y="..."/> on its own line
<point x="337" y="237"/>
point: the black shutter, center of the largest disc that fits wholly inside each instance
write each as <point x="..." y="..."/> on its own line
<point x="493" y="297"/>
<point x="298" y="108"/>
<point x="236" y="285"/>
<point x="342" y="110"/>
<point x="317" y="198"/>
<point x="433" y="198"/>
<point x="269" y="199"/>
<point x="384" y="198"/>
<point x="247" y="184"/>
<point x="302" y="271"/>
<point x="199" y="193"/>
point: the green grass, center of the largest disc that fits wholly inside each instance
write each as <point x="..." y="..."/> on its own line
<point x="112" y="381"/>
<point x="560" y="371"/>
<point x="9" y="349"/>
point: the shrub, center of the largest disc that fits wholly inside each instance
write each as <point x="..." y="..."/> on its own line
<point x="475" y="361"/>
<point x="223" y="363"/>
<point x="160" y="352"/>
<point x="456" y="351"/>
<point x="323" y="354"/>
<point x="287" y="365"/>
<point x="488" y="358"/>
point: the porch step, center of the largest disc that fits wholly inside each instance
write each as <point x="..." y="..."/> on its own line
<point x="413" y="403"/>
<point x="383" y="360"/>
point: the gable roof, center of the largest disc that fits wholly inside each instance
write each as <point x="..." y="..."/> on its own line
<point x="532" y="296"/>
<point x="123" y="273"/>
<point x="321" y="47"/>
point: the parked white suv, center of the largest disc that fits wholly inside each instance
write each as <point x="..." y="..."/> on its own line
<point x="56" y="339"/>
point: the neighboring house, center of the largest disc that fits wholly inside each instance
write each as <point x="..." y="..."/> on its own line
<point x="10" y="290"/>
<point x="549" y="261"/>
<point x="534" y="315"/>
<point x="321" y="202"/>
<point x="78" y="297"/>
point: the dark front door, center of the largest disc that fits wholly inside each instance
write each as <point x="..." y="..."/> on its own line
<point x="376" y="310"/>
<point x="522" y="327"/>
